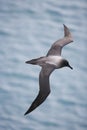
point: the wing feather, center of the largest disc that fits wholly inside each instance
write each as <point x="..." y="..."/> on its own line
<point x="57" y="46"/>
<point x="44" y="88"/>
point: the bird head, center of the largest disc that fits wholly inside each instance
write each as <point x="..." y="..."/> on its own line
<point x="65" y="63"/>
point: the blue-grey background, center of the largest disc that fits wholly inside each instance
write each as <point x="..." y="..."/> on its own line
<point x="27" y="30"/>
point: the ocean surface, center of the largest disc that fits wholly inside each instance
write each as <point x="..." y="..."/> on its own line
<point x="27" y="30"/>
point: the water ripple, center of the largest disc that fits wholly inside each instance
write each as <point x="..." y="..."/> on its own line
<point x="27" y="30"/>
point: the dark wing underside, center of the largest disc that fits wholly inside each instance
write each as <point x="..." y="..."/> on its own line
<point x="44" y="89"/>
<point x="57" y="46"/>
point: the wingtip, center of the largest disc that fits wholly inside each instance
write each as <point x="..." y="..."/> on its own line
<point x="27" y="112"/>
<point x="67" y="32"/>
<point x="64" y="25"/>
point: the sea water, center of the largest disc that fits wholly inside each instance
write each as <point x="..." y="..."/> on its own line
<point x="27" y="30"/>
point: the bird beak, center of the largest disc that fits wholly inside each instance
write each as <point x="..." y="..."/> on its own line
<point x="70" y="67"/>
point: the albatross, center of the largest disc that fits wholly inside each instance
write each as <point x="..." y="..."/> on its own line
<point x="53" y="60"/>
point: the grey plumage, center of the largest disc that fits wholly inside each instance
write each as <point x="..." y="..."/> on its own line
<point x="49" y="63"/>
<point x="59" y="44"/>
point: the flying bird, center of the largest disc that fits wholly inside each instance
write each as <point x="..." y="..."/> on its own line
<point x="53" y="60"/>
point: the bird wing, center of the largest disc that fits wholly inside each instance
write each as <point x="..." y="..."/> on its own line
<point x="57" y="46"/>
<point x="44" y="89"/>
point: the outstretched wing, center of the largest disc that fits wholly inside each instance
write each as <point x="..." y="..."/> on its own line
<point x="44" y="89"/>
<point x="57" y="46"/>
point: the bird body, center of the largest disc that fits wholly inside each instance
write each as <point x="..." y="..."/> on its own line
<point x="53" y="60"/>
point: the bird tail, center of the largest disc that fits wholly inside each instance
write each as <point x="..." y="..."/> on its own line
<point x="34" y="61"/>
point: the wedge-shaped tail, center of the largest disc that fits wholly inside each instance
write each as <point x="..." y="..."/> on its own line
<point x="34" y="61"/>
